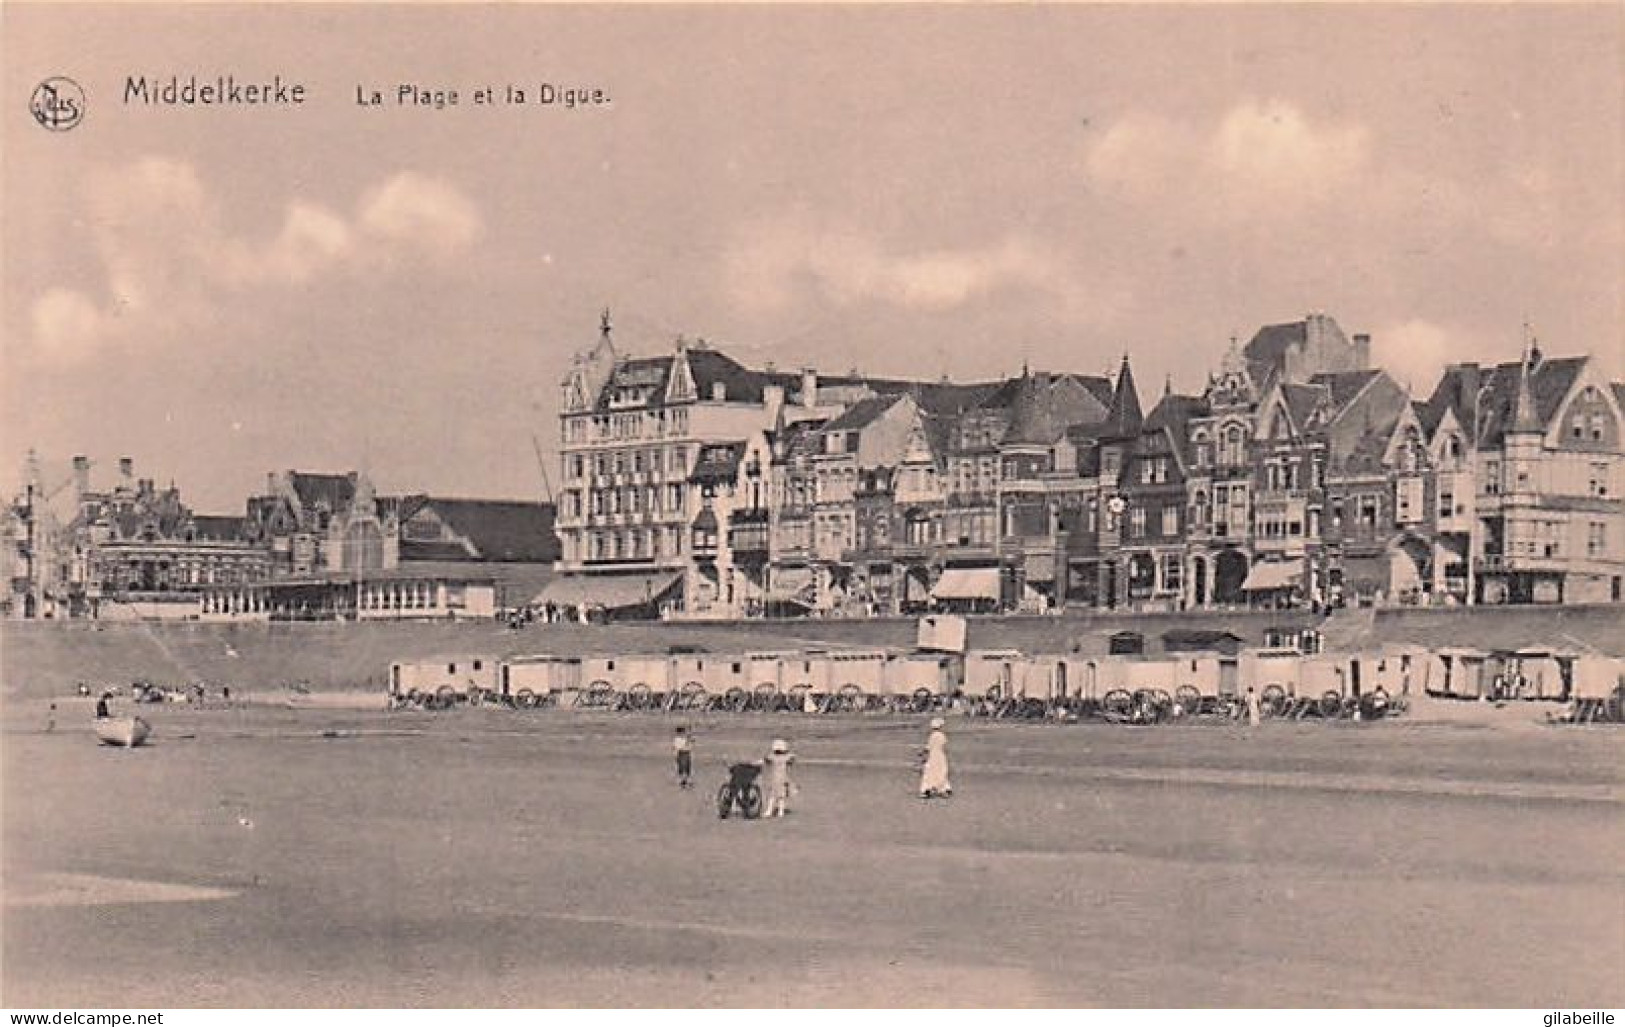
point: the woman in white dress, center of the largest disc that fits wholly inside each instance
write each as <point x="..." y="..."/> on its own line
<point x="934" y="775"/>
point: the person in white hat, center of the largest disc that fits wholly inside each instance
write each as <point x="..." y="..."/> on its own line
<point x="776" y="784"/>
<point x="934" y="781"/>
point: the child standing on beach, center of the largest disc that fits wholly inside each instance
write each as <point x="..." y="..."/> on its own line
<point x="776" y="783"/>
<point x="683" y="745"/>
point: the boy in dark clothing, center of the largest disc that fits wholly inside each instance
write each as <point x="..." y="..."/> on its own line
<point x="683" y="745"/>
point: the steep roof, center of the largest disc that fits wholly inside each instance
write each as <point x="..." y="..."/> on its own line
<point x="1046" y="405"/>
<point x="863" y="413"/>
<point x="1303" y="400"/>
<point x="1175" y="410"/>
<point x="1496" y="388"/>
<point x="1344" y="385"/>
<point x="506" y="530"/>
<point x="711" y="367"/>
<point x="1266" y="351"/>
<point x="1124" y="415"/>
<point x="800" y="438"/>
<point x="218" y="527"/>
<point x="334" y="490"/>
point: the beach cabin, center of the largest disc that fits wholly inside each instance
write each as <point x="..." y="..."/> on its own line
<point x="863" y="669"/>
<point x="539" y="675"/>
<point x="936" y="672"/>
<point x="429" y="675"/>
<point x="1461" y="673"/>
<point x="1258" y="669"/>
<point x="1000" y="672"/>
<point x="624" y="671"/>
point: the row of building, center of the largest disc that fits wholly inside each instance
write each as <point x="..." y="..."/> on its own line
<point x="693" y="486"/>
<point x="310" y="547"/>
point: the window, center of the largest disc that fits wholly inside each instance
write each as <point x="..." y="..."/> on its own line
<point x="1597" y="539"/>
<point x="1598" y="485"/>
<point x="1408" y="500"/>
<point x="476" y="664"/>
<point x="1492" y="477"/>
<point x="1170" y="520"/>
<point x="1136" y="521"/>
<point x="1368" y="511"/>
<point x="1172" y="566"/>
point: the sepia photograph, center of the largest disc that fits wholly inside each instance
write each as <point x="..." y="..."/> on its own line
<point x="812" y="506"/>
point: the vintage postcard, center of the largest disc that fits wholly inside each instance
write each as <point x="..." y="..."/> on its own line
<point x="812" y="506"/>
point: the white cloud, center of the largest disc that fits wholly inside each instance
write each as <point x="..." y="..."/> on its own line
<point x="1416" y="352"/>
<point x="167" y="257"/>
<point x="1259" y="154"/>
<point x="772" y="265"/>
<point x="421" y="212"/>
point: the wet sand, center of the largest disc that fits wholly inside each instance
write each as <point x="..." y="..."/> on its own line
<point x="262" y="856"/>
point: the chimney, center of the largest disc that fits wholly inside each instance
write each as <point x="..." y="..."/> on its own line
<point x="270" y="483"/>
<point x="126" y="471"/>
<point x="809" y="387"/>
<point x="81" y="475"/>
<point x="772" y="402"/>
<point x="1362" y="351"/>
<point x="1468" y="382"/>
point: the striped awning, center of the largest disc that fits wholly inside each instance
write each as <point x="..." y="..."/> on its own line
<point x="610" y="591"/>
<point x="1269" y="575"/>
<point x="968" y="583"/>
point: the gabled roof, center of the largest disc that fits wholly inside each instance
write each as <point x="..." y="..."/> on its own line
<point x="1344" y="385"/>
<point x="1047" y="405"/>
<point x="1302" y="401"/>
<point x="1496" y="389"/>
<point x="504" y="530"/>
<point x="863" y="413"/>
<point x="1173" y="413"/>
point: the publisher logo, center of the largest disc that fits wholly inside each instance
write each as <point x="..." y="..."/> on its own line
<point x="57" y="104"/>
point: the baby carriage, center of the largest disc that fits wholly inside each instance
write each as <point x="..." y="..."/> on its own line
<point x="741" y="790"/>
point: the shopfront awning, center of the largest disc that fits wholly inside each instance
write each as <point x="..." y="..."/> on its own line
<point x="610" y="591"/>
<point x="1268" y="576"/>
<point x="968" y="583"/>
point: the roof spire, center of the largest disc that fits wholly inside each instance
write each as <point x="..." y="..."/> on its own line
<point x="1523" y="412"/>
<point x="1125" y="414"/>
<point x="605" y="325"/>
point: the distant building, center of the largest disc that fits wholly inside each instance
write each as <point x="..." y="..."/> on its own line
<point x="139" y="551"/>
<point x="1529" y="495"/>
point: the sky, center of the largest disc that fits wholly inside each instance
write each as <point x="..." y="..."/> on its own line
<point x="908" y="191"/>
